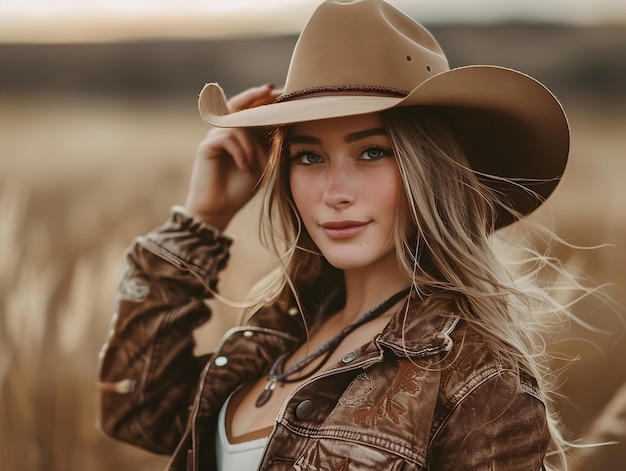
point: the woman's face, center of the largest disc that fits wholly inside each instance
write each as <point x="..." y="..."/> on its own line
<point x="346" y="185"/>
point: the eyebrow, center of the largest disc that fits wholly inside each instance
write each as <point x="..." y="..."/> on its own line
<point x="355" y="136"/>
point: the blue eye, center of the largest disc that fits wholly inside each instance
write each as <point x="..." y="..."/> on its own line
<point x="375" y="153"/>
<point x="305" y="158"/>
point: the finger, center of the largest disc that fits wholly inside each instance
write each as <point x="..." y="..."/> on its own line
<point x="249" y="147"/>
<point x="212" y="144"/>
<point x="267" y="99"/>
<point x="235" y="142"/>
<point x="241" y="149"/>
<point x="235" y="153"/>
<point x="246" y="98"/>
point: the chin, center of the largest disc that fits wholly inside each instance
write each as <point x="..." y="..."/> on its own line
<point x="353" y="260"/>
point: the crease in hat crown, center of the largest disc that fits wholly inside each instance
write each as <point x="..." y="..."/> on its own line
<point x="363" y="44"/>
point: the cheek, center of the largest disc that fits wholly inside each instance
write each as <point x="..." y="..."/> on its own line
<point x="389" y="190"/>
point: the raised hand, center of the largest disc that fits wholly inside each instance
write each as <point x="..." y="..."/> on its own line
<point x="228" y="165"/>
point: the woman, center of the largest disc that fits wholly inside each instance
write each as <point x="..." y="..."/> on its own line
<point x="392" y="337"/>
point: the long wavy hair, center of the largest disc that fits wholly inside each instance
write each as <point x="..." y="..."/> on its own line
<point x="444" y="240"/>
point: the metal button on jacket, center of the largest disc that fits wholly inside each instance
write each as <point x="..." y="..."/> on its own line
<point x="305" y="409"/>
<point x="221" y="361"/>
<point x="349" y="357"/>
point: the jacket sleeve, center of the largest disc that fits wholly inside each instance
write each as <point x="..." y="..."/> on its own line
<point x="147" y="370"/>
<point x="499" y="426"/>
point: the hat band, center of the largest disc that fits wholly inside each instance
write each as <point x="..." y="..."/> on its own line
<point x="344" y="90"/>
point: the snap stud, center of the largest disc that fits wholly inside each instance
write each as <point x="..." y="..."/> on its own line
<point x="349" y="357"/>
<point x="305" y="409"/>
<point x="221" y="361"/>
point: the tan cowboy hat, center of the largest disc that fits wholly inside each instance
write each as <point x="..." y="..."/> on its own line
<point x="363" y="56"/>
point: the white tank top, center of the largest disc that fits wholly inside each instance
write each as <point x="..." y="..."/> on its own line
<point x="245" y="456"/>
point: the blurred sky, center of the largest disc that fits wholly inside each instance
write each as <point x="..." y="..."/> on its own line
<point x="104" y="20"/>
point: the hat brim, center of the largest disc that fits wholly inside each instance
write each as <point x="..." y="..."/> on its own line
<point x="509" y="125"/>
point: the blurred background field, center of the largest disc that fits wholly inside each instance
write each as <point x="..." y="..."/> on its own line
<point x="97" y="140"/>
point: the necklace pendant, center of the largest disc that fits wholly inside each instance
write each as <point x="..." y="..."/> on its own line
<point x="266" y="394"/>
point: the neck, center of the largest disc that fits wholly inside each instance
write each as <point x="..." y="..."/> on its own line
<point x="366" y="288"/>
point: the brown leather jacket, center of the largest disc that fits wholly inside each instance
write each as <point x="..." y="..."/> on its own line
<point x="425" y="394"/>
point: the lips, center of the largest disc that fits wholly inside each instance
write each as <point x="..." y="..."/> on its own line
<point x="339" y="230"/>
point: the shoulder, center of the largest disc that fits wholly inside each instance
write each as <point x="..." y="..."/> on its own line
<point x="481" y="391"/>
<point x="434" y="328"/>
<point x="489" y="410"/>
<point x="472" y="361"/>
<point x="470" y="368"/>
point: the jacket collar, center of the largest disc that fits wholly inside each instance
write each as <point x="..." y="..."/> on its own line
<point x="420" y="329"/>
<point x="423" y="327"/>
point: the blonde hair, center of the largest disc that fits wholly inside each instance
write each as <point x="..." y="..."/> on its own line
<point x="455" y="214"/>
<point x="443" y="239"/>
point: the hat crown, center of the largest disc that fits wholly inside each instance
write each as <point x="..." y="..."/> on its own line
<point x="363" y="43"/>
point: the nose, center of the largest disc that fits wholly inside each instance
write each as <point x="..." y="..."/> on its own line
<point x="339" y="189"/>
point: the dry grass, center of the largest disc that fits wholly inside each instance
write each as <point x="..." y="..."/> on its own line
<point x="81" y="176"/>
